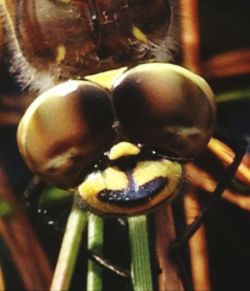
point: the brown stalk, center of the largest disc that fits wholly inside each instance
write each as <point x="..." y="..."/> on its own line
<point x="202" y="180"/>
<point x="23" y="245"/>
<point x="190" y="38"/>
<point x="12" y="108"/>
<point x="197" y="245"/>
<point x="2" y="285"/>
<point x="228" y="64"/>
<point x="226" y="155"/>
<point x="9" y="118"/>
<point x="1" y="40"/>
<point x="168" y="278"/>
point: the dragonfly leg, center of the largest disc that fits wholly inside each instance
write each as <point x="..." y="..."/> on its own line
<point x="240" y="150"/>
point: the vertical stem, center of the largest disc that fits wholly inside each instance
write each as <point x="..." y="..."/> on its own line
<point x="1" y="41"/>
<point x="2" y="285"/>
<point x="197" y="246"/>
<point x="141" y="269"/>
<point x="169" y="278"/>
<point x="69" y="250"/>
<point x="190" y="37"/>
<point x="22" y="242"/>
<point x="95" y="244"/>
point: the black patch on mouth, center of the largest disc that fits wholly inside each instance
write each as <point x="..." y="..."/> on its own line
<point x="134" y="195"/>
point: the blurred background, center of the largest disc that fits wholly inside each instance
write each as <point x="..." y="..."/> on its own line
<point x="224" y="60"/>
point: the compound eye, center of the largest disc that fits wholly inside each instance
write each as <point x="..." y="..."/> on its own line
<point x="66" y="129"/>
<point x="165" y="106"/>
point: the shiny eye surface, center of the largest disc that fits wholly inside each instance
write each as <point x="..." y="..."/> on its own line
<point x="165" y="106"/>
<point x="66" y="129"/>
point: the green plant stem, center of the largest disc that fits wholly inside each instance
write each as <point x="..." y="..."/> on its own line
<point x="95" y="245"/>
<point x="141" y="270"/>
<point x="237" y="95"/>
<point x="69" y="250"/>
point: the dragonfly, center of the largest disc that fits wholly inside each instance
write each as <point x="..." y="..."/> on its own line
<point x="119" y="135"/>
<point x="108" y="139"/>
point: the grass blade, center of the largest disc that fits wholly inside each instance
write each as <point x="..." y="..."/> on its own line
<point x="69" y="250"/>
<point x="141" y="270"/>
<point x="95" y="245"/>
<point x="232" y="96"/>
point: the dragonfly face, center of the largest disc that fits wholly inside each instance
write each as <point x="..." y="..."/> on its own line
<point x="69" y="39"/>
<point x="119" y="145"/>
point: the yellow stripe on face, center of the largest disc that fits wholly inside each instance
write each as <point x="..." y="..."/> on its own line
<point x="146" y="171"/>
<point x="92" y="185"/>
<point x="111" y="179"/>
<point x="123" y="149"/>
<point x="115" y="179"/>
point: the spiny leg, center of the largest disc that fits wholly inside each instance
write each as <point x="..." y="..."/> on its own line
<point x="105" y="263"/>
<point x="216" y="196"/>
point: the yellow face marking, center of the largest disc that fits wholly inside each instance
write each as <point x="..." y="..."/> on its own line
<point x="149" y="170"/>
<point x="146" y="171"/>
<point x="61" y="54"/>
<point x="92" y="185"/>
<point x="111" y="178"/>
<point x="139" y="35"/>
<point x="123" y="149"/>
<point x="115" y="179"/>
